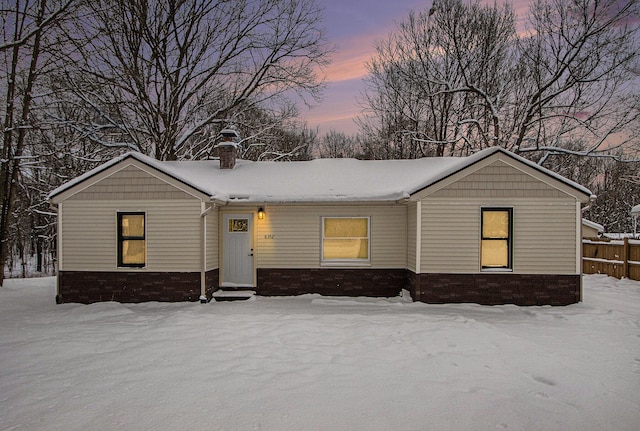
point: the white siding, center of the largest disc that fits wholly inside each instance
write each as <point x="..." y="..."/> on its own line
<point x="290" y="235"/>
<point x="173" y="226"/>
<point x="544" y="223"/>
<point x="89" y="236"/>
<point x="548" y="247"/>
<point x="173" y="236"/>
<point x="89" y="229"/>
<point x="543" y="235"/>
<point x="450" y="237"/>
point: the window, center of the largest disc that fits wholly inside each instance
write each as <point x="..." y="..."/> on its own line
<point x="238" y="225"/>
<point x="132" y="245"/>
<point x="345" y="239"/>
<point x="497" y="231"/>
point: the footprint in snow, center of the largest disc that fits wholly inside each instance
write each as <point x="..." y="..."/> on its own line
<point x="544" y="381"/>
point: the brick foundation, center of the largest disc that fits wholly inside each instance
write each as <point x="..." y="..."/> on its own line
<point x="88" y="287"/>
<point x="494" y="288"/>
<point x="484" y="288"/>
<point x="331" y="281"/>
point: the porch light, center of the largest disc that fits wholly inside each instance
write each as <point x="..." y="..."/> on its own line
<point x="261" y="213"/>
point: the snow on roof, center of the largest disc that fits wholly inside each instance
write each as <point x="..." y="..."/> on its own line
<point x="320" y="180"/>
<point x="635" y="211"/>
<point x="593" y="225"/>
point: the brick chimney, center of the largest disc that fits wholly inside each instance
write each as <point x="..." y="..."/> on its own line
<point x="228" y="149"/>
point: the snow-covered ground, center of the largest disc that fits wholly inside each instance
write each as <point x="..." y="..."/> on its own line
<point x="319" y="363"/>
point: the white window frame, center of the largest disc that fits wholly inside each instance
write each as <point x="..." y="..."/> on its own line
<point x="345" y="261"/>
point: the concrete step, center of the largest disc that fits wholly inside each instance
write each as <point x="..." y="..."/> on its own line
<point x="232" y="295"/>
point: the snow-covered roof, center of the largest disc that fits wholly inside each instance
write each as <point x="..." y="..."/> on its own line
<point x="593" y="225"/>
<point x="635" y="211"/>
<point x="320" y="180"/>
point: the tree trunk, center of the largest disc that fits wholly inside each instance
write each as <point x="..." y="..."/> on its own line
<point x="11" y="163"/>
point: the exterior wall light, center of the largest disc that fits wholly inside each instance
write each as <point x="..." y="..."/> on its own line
<point x="261" y="213"/>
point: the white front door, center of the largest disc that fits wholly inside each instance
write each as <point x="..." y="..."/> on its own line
<point x="237" y="250"/>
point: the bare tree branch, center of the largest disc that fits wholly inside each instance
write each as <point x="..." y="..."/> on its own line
<point x="179" y="71"/>
<point x="462" y="76"/>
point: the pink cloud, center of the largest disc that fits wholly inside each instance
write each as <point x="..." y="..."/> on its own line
<point x="354" y="28"/>
<point x="352" y="54"/>
<point x="339" y="108"/>
<point x="347" y="66"/>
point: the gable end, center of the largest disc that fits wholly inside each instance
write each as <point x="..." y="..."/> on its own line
<point x="497" y="180"/>
<point x="130" y="183"/>
<point x="501" y="174"/>
<point x="127" y="178"/>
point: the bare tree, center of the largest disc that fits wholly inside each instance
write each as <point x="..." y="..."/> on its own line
<point x="290" y="141"/>
<point x="337" y="145"/>
<point x="436" y="84"/>
<point x="461" y="78"/>
<point x="162" y="77"/>
<point x="615" y="195"/>
<point x="580" y="58"/>
<point x="23" y="48"/>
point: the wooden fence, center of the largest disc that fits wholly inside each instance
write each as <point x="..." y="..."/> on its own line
<point x="616" y="258"/>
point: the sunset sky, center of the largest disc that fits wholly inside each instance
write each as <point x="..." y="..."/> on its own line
<point x="353" y="27"/>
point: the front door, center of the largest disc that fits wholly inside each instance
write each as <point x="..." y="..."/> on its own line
<point x="237" y="250"/>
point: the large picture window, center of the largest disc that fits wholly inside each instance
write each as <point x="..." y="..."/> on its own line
<point x="497" y="232"/>
<point x="345" y="239"/>
<point x="132" y="244"/>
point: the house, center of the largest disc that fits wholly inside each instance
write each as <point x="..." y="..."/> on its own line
<point x="491" y="228"/>
<point x="591" y="229"/>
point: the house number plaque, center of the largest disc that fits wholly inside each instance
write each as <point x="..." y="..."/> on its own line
<point x="238" y="225"/>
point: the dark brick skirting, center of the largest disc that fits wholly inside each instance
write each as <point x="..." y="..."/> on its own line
<point x="484" y="288"/>
<point x="331" y="281"/>
<point x="88" y="287"/>
<point x="495" y="288"/>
